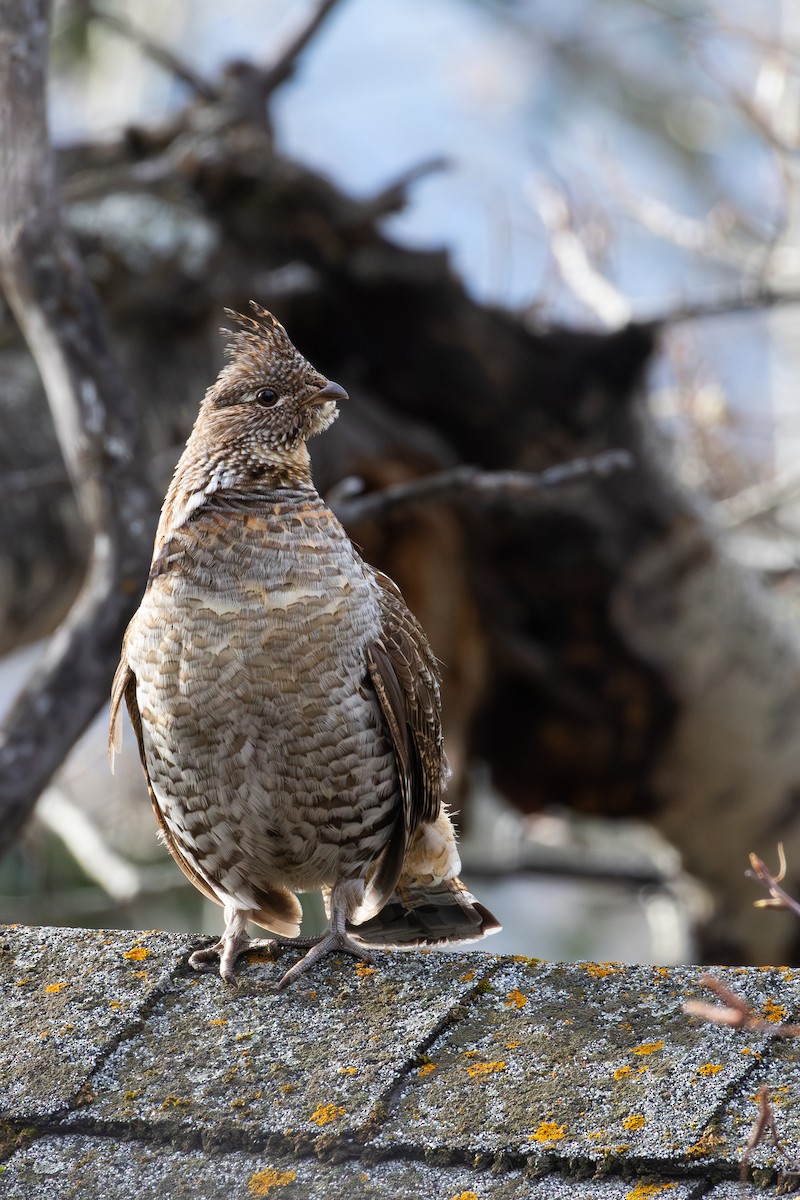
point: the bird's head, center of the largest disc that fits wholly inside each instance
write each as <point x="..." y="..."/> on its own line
<point x="267" y="400"/>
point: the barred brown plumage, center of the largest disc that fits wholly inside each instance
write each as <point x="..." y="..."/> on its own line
<point x="285" y="700"/>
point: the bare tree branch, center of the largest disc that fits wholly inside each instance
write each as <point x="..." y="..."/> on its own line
<point x="95" y="418"/>
<point x="159" y="53"/>
<point x="472" y="484"/>
<point x="721" y="306"/>
<point x="286" y="64"/>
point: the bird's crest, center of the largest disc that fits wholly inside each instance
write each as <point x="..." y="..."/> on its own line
<point x="258" y="334"/>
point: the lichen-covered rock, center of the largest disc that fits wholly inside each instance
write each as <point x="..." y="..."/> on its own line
<point x="441" y="1076"/>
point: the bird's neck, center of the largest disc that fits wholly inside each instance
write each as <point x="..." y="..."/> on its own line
<point x="203" y="474"/>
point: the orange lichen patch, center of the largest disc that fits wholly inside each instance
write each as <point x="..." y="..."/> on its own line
<point x="471" y="1053"/>
<point x="145" y="975"/>
<point x="512" y="1045"/>
<point x="348" y="1070"/>
<point x="137" y="953"/>
<point x="427" y="1068"/>
<point x="115" y="1004"/>
<point x="57" y="987"/>
<point x="661" y="971"/>
<point x="45" y="1033"/>
<point x="262" y="1183"/>
<point x="600" y="970"/>
<point x="325" y="1113"/>
<point x="218" y="1021"/>
<point x="622" y="1072"/>
<point x="709" y="1069"/>
<point x="548" y="1133"/>
<point x="466" y="1196"/>
<point x="467" y="978"/>
<point x="516" y="999"/>
<point x="363" y="969"/>
<point x="634" y="1121"/>
<point x="648" y="1048"/>
<point x="479" y="1070"/>
<point x="774" y="1011"/>
<point x="643" y="1191"/>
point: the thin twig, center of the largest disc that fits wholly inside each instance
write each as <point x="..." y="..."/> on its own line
<point x="740" y="302"/>
<point x="734" y="1012"/>
<point x="156" y="51"/>
<point x="476" y="485"/>
<point x="394" y="196"/>
<point x="763" y="1126"/>
<point x="286" y="64"/>
<point x="778" y="898"/>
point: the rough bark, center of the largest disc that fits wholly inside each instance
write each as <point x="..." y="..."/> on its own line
<point x="93" y="414"/>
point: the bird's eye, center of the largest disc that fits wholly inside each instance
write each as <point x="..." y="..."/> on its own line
<point x="266" y="397"/>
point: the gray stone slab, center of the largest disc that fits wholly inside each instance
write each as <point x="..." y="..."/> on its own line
<point x="311" y="1062"/>
<point x="779" y="1070"/>
<point x="589" y="1062"/>
<point x="67" y="995"/>
<point x="68" y="1167"/>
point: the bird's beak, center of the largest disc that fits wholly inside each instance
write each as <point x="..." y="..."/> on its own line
<point x="331" y="391"/>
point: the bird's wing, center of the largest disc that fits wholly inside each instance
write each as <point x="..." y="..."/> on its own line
<point x="278" y="909"/>
<point x="405" y="676"/>
<point x="124" y="688"/>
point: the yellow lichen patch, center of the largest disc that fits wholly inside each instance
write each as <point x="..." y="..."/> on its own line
<point x="363" y="968"/>
<point x="548" y="1133"/>
<point x="709" y="1069"/>
<point x="622" y="1072"/>
<point x="708" y="1143"/>
<point x="479" y="1070"/>
<point x="427" y="1068"/>
<point x="325" y="1113"/>
<point x="471" y="1053"/>
<point x="175" y="1102"/>
<point x="772" y="1011"/>
<point x="218" y="1021"/>
<point x="467" y="978"/>
<point x="601" y="970"/>
<point x="634" y="1121"/>
<point x="516" y="999"/>
<point x="57" y="987"/>
<point x="262" y="1183"/>
<point x="643" y="1191"/>
<point x="661" y="971"/>
<point x="137" y="953"/>
<point x="597" y="1135"/>
<point x="23" y="982"/>
<point x="115" y="1004"/>
<point x="648" y="1048"/>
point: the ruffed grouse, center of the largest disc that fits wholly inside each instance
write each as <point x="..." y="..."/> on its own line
<point x="285" y="700"/>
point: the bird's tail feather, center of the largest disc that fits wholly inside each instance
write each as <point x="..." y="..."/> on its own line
<point x="427" y="913"/>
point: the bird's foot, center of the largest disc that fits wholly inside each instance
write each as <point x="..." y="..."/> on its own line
<point x="229" y="948"/>
<point x="332" y="942"/>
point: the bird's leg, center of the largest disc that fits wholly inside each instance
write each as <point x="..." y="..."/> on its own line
<point x="234" y="942"/>
<point x="343" y="903"/>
